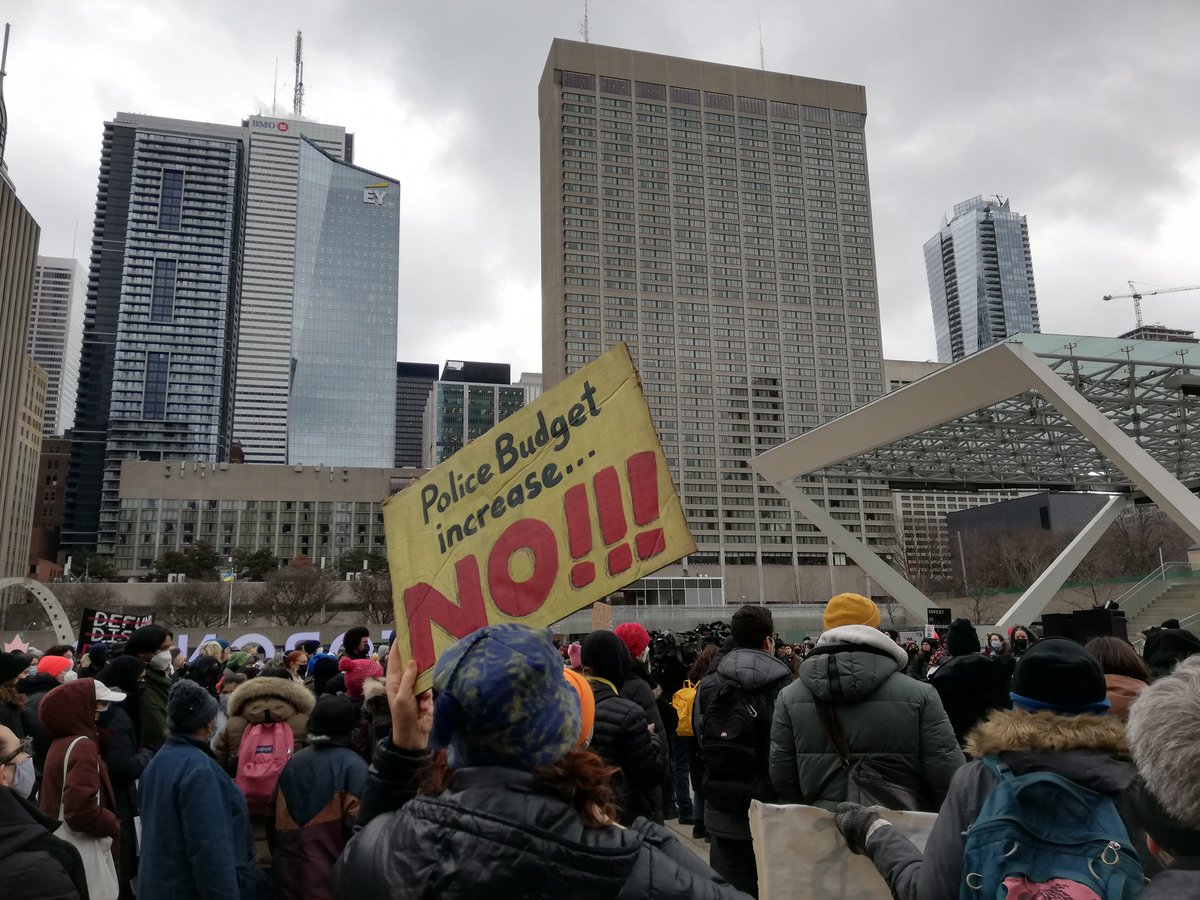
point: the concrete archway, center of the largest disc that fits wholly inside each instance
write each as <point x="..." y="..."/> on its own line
<point x="63" y="632"/>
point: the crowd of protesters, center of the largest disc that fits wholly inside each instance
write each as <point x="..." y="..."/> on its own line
<point x="539" y="768"/>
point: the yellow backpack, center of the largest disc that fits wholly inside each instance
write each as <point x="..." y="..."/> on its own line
<point x="681" y="702"/>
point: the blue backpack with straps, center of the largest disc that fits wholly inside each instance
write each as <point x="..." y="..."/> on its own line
<point x="1040" y="836"/>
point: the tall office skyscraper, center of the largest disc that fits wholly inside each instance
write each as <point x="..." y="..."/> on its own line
<point x="717" y="219"/>
<point x="980" y="278"/>
<point x="413" y="384"/>
<point x="189" y="321"/>
<point x="56" y="335"/>
<point x="470" y="399"/>
<point x="341" y="409"/>
<point x="264" y="357"/>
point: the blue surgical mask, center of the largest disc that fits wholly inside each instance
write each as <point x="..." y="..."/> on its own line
<point x="995" y="645"/>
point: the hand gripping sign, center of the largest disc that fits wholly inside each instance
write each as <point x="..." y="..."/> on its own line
<point x="562" y="503"/>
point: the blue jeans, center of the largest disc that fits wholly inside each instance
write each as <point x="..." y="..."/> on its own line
<point x="679" y="774"/>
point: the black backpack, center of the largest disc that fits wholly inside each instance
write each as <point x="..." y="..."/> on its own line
<point x="735" y="736"/>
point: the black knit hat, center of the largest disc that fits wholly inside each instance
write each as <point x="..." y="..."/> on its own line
<point x="12" y="665"/>
<point x="189" y="707"/>
<point x="1059" y="674"/>
<point x="963" y="639"/>
<point x="334" y="715"/>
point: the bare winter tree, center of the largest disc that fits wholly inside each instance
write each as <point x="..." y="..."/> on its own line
<point x="296" y="595"/>
<point x="373" y="595"/>
<point x="192" y="604"/>
<point x="78" y="596"/>
<point x="918" y="552"/>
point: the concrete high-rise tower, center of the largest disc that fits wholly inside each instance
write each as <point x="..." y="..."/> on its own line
<point x="56" y="335"/>
<point x="717" y="219"/>
<point x="980" y="274"/>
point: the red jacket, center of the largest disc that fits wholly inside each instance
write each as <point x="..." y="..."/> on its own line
<point x="68" y="712"/>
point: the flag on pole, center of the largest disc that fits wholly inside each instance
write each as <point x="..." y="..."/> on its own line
<point x="227" y="576"/>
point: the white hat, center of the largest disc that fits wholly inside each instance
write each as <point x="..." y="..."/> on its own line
<point x="105" y="694"/>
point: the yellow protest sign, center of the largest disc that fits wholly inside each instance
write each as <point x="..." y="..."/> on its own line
<point x="562" y="503"/>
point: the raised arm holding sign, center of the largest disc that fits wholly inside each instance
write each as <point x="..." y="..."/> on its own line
<point x="562" y="503"/>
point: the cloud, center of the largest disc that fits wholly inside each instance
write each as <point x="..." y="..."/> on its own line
<point x="1078" y="111"/>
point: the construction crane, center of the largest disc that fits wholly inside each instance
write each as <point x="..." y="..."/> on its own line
<point x="1137" y="296"/>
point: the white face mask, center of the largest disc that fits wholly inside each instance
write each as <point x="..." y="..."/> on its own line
<point x="69" y="676"/>
<point x="161" y="661"/>
<point x="23" y="778"/>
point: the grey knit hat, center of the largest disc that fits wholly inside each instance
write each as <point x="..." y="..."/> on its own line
<point x="189" y="707"/>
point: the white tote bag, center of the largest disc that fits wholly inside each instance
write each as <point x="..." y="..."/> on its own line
<point x="95" y="852"/>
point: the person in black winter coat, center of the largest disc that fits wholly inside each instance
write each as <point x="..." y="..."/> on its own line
<point x="509" y="805"/>
<point x="969" y="684"/>
<point x="33" y="862"/>
<point x="126" y="761"/>
<point x="623" y="736"/>
<point x="12" y="699"/>
<point x="51" y="672"/>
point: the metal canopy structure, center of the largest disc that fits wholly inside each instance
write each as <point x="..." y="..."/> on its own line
<point x="1041" y="412"/>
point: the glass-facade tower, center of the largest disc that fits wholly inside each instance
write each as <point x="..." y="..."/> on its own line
<point x="980" y="273"/>
<point x="341" y="403"/>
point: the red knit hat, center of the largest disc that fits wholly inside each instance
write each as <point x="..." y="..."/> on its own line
<point x="53" y="666"/>
<point x="634" y="636"/>
<point x="358" y="672"/>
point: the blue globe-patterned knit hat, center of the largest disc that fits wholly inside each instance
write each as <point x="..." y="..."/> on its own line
<point x="502" y="700"/>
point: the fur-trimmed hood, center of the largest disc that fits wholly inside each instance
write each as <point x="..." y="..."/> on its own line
<point x="1008" y="730"/>
<point x="282" y="696"/>
<point x="375" y="700"/>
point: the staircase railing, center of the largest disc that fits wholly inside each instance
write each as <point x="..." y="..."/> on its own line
<point x="1135" y="600"/>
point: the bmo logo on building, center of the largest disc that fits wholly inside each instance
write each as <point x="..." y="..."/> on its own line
<point x="269" y="125"/>
<point x="375" y="193"/>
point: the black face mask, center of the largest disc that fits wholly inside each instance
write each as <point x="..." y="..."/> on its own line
<point x="1020" y="643"/>
<point x="105" y="718"/>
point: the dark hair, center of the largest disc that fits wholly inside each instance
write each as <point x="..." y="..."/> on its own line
<point x="353" y="638"/>
<point x="581" y="778"/>
<point x="1117" y="657"/>
<point x="146" y="639"/>
<point x="60" y="650"/>
<point x="750" y="626"/>
<point x="701" y="666"/>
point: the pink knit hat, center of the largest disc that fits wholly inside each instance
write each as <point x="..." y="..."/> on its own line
<point x="573" y="654"/>
<point x="358" y="672"/>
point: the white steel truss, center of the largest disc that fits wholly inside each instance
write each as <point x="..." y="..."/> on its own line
<point x="1049" y="412"/>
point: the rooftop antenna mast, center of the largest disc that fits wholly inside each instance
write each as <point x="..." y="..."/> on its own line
<point x="3" y="111"/>
<point x="762" y="56"/>
<point x="275" y="91"/>
<point x="583" y="27"/>
<point x="298" y="94"/>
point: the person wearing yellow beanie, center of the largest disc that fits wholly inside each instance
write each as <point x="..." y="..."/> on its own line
<point x="851" y="609"/>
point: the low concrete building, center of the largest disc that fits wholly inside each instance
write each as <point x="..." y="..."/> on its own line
<point x="321" y="512"/>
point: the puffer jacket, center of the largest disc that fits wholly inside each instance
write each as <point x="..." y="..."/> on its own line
<point x="972" y="686"/>
<point x="1179" y="882"/>
<point x="622" y="737"/>
<point x="32" y="859"/>
<point x="884" y="715"/>
<point x="313" y="815"/>
<point x="260" y="700"/>
<point x="497" y="833"/>
<point x="1088" y="750"/>
<point x="754" y="670"/>
<point x="86" y="794"/>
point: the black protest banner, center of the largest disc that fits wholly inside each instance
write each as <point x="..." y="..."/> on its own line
<point x="98" y="626"/>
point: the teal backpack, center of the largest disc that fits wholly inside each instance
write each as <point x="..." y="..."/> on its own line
<point x="1040" y="835"/>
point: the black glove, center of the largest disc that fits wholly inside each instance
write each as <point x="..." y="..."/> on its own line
<point x="853" y="821"/>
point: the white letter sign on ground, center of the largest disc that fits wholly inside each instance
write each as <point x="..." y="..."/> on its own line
<point x="801" y="855"/>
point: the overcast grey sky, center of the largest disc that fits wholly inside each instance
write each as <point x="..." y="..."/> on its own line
<point x="1083" y="113"/>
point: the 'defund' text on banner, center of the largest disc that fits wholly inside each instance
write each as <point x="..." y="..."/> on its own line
<point x="560" y="504"/>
